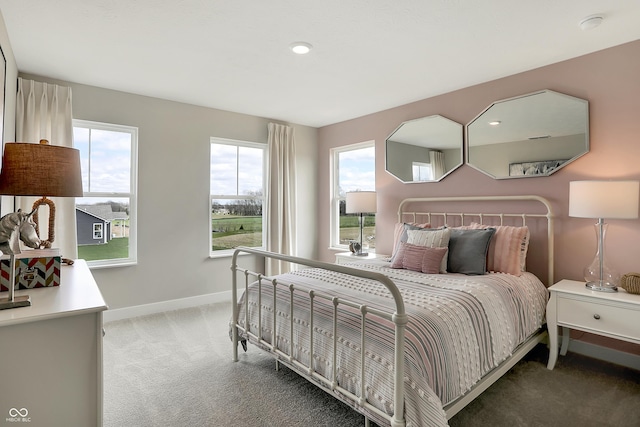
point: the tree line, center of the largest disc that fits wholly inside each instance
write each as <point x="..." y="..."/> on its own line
<point x="251" y="206"/>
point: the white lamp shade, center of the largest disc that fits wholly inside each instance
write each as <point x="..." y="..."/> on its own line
<point x="604" y="199"/>
<point x="361" y="202"/>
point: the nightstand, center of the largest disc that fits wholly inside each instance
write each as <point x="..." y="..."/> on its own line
<point x="348" y="257"/>
<point x="573" y="306"/>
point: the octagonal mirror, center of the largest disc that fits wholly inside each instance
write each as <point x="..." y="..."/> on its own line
<point x="530" y="135"/>
<point x="424" y="150"/>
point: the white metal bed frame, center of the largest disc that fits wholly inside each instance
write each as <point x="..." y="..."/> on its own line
<point x="398" y="317"/>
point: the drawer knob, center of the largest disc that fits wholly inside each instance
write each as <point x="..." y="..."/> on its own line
<point x="596" y="316"/>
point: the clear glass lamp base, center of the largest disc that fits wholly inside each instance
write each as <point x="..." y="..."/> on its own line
<point x="602" y="287"/>
<point x="599" y="275"/>
<point x="601" y="278"/>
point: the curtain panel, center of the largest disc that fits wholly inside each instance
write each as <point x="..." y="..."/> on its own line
<point x="43" y="111"/>
<point x="281" y="196"/>
<point x="437" y="164"/>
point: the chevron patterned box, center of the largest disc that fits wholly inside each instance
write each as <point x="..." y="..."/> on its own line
<point x="35" y="268"/>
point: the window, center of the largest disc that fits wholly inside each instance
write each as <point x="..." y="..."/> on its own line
<point x="97" y="231"/>
<point x="237" y="183"/>
<point x="353" y="169"/>
<point x="422" y="171"/>
<point x="106" y="214"/>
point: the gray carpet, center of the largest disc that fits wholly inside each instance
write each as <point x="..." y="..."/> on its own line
<point x="175" y="369"/>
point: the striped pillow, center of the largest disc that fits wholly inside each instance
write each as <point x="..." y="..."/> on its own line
<point x="507" y="249"/>
<point x="419" y="258"/>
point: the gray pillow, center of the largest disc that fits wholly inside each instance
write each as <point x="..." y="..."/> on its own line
<point x="468" y="250"/>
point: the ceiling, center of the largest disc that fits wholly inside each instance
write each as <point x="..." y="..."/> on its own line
<point x="367" y="56"/>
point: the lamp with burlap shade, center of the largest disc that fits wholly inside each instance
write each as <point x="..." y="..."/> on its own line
<point x="41" y="170"/>
<point x="37" y="170"/>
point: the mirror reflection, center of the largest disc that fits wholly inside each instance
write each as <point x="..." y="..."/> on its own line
<point x="530" y="135"/>
<point x="424" y="150"/>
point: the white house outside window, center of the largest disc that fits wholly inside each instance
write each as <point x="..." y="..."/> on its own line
<point x="352" y="169"/>
<point x="237" y="183"/>
<point x="107" y="211"/>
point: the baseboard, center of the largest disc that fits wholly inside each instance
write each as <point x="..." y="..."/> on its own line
<point x="605" y="353"/>
<point x="159" y="307"/>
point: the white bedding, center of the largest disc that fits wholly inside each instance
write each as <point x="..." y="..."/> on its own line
<point x="460" y="328"/>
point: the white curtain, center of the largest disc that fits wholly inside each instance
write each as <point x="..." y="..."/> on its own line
<point x="43" y="111"/>
<point x="437" y="163"/>
<point x="281" y="197"/>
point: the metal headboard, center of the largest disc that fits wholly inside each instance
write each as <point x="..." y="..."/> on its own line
<point x="480" y="216"/>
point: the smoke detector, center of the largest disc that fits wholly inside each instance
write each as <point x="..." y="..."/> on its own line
<point x="590" y="22"/>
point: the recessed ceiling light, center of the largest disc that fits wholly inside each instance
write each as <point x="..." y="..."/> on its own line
<point x="495" y="123"/>
<point x="590" y="22"/>
<point x="300" y="47"/>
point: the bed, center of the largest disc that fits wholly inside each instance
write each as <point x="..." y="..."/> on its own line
<point x="409" y="340"/>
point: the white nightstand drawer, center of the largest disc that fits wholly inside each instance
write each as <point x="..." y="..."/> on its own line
<point x="598" y="317"/>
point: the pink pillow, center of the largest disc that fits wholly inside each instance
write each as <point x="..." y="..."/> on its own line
<point x="419" y="258"/>
<point x="432" y="238"/>
<point x="400" y="233"/>
<point x="507" y="249"/>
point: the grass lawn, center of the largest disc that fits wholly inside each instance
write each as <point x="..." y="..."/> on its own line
<point x="232" y="231"/>
<point x="350" y="230"/>
<point x="116" y="248"/>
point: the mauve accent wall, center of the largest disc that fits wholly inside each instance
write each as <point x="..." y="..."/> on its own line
<point x="608" y="79"/>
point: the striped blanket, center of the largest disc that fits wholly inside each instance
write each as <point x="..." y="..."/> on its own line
<point x="460" y="328"/>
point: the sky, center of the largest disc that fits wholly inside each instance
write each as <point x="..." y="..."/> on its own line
<point x="106" y="164"/>
<point x="238" y="169"/>
<point x="357" y="170"/>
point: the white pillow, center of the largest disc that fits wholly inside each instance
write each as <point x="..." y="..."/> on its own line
<point x="431" y="238"/>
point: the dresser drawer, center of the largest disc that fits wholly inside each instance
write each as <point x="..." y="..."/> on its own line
<point x="613" y="320"/>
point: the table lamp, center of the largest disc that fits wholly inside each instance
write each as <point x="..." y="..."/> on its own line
<point x="361" y="202"/>
<point x="603" y="199"/>
<point x="37" y="170"/>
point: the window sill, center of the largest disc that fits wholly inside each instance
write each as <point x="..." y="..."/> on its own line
<point x="230" y="254"/>
<point x="346" y="249"/>
<point x="111" y="265"/>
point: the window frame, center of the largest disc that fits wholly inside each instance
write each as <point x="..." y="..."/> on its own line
<point x="334" y="214"/>
<point x="132" y="195"/>
<point x="98" y="231"/>
<point x="265" y="161"/>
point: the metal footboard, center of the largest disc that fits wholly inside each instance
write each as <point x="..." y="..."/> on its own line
<point x="399" y="318"/>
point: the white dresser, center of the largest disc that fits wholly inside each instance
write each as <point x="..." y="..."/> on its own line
<point x="573" y="306"/>
<point x="51" y="354"/>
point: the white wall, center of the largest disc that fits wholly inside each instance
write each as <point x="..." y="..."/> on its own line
<point x="173" y="192"/>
